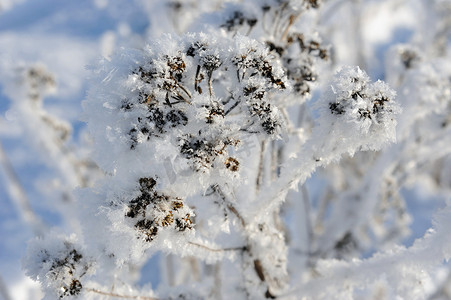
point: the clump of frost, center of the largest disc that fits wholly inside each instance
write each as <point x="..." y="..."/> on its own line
<point x="58" y="264"/>
<point x="366" y="109"/>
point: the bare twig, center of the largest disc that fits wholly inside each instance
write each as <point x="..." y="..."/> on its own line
<point x="196" y="80"/>
<point x="229" y="204"/>
<point x="118" y="295"/>
<point x="308" y="220"/>
<point x="18" y="195"/>
<point x="186" y="91"/>
<point x="291" y="20"/>
<point x="232" y="107"/>
<point x="260" y="166"/>
<point x="236" y="213"/>
<point x="217" y="250"/>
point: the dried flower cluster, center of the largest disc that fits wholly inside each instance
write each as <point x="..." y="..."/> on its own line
<point x="197" y="90"/>
<point x="361" y="102"/>
<point x="60" y="265"/>
<point x="298" y="52"/>
<point x="153" y="211"/>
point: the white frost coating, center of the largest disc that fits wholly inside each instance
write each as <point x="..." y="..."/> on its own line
<point x="181" y="106"/>
<point x="363" y="108"/>
<point x="58" y="264"/>
<point x="355" y="115"/>
<point x="168" y="122"/>
<point x="125" y="84"/>
<point x="407" y="273"/>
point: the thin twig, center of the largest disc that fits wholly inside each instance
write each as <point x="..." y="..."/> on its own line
<point x="275" y="155"/>
<point x="185" y="90"/>
<point x="210" y="88"/>
<point x="229" y="204"/>
<point x="260" y="166"/>
<point x="196" y="80"/>
<point x="232" y="107"/>
<point x="118" y="295"/>
<point x="276" y="21"/>
<point x="308" y="220"/>
<point x="237" y="214"/>
<point x="218" y="250"/>
<point x="18" y="195"/>
<point x="291" y="20"/>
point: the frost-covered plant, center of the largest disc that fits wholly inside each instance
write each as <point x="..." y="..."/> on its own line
<point x="50" y="137"/>
<point x="195" y="89"/>
<point x="205" y="137"/>
<point x="190" y="101"/>
<point x="46" y="132"/>
<point x="370" y="186"/>
<point x="370" y="105"/>
<point x="369" y="194"/>
<point x="169" y="122"/>
<point x="276" y="23"/>
<point x="59" y="264"/>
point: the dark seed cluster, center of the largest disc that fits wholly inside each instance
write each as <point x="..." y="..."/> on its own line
<point x="300" y="68"/>
<point x="237" y="20"/>
<point x="203" y="86"/>
<point x="215" y="109"/>
<point x="312" y="3"/>
<point x="359" y="99"/>
<point x="299" y="63"/>
<point x="203" y="152"/>
<point x="161" y="100"/>
<point x="258" y="106"/>
<point x="154" y="211"/>
<point x="66" y="271"/>
<point x="409" y="58"/>
<point x="252" y="65"/>
<point x="232" y="164"/>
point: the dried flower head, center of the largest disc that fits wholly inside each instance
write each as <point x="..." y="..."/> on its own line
<point x="153" y="211"/>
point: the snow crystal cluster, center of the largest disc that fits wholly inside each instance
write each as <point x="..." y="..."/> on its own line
<point x="366" y="109"/>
